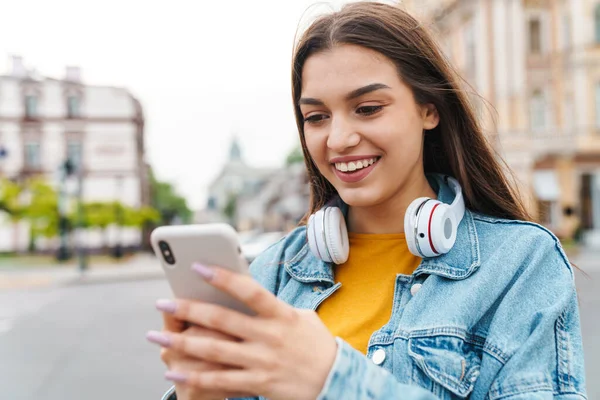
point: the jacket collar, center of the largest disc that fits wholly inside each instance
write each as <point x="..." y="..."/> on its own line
<point x="459" y="263"/>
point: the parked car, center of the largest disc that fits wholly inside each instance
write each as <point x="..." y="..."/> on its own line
<point x="254" y="245"/>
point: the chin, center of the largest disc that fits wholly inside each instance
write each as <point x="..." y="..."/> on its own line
<point x="361" y="197"/>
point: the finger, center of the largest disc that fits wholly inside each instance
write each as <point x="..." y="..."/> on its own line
<point x="217" y="351"/>
<point x="176" y="360"/>
<point x="207" y="349"/>
<point x="196" y="330"/>
<point x="171" y="323"/>
<point x="222" y="381"/>
<point x="214" y="317"/>
<point x="245" y="289"/>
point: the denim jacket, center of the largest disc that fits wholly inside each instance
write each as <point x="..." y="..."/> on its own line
<point x="494" y="318"/>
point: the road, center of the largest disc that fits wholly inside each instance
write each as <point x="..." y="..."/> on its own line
<point x="87" y="341"/>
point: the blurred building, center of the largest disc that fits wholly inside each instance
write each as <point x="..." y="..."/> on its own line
<point x="44" y="121"/>
<point x="279" y="204"/>
<point x="538" y="63"/>
<point x="263" y="199"/>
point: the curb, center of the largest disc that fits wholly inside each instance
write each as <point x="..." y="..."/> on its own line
<point x="93" y="280"/>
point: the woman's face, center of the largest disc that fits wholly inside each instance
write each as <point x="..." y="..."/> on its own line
<point x="362" y="126"/>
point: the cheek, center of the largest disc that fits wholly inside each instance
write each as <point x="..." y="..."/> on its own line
<point x="316" y="147"/>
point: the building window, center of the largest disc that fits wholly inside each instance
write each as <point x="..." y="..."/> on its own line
<point x="535" y="36"/>
<point x="75" y="152"/>
<point x="537" y="110"/>
<point x="32" y="155"/>
<point x="212" y="203"/>
<point x="597" y="23"/>
<point x="73" y="107"/>
<point x="31" y="104"/>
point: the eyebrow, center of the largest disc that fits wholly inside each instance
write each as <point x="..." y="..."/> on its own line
<point x="351" y="96"/>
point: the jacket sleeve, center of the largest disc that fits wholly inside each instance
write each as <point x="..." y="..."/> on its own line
<point x="537" y="326"/>
<point x="355" y="377"/>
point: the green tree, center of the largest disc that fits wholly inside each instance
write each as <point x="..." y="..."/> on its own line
<point x="135" y="217"/>
<point x="230" y="207"/>
<point x="295" y="156"/>
<point x="34" y="201"/>
<point x="99" y="215"/>
<point x="168" y="203"/>
<point x="40" y="209"/>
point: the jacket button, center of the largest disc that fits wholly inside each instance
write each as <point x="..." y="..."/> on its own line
<point x="379" y="357"/>
<point x="415" y="288"/>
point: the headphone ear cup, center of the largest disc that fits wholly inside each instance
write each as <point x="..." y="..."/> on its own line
<point x="409" y="225"/>
<point x="336" y="235"/>
<point x="443" y="228"/>
<point x="312" y="237"/>
<point x="319" y="247"/>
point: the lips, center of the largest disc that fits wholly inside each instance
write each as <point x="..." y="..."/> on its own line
<point x="356" y="175"/>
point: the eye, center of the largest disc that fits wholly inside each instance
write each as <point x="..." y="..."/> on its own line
<point x="368" y="110"/>
<point x="315" y="119"/>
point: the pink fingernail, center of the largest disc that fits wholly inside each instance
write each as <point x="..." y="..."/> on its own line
<point x="166" y="305"/>
<point x="159" y="338"/>
<point x="175" y="376"/>
<point x="204" y="271"/>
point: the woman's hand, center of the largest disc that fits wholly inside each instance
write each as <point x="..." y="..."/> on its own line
<point x="177" y="361"/>
<point x="280" y="352"/>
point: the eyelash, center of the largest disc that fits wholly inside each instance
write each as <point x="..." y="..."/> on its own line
<point x="367" y="111"/>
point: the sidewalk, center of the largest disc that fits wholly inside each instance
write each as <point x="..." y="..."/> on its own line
<point x="138" y="267"/>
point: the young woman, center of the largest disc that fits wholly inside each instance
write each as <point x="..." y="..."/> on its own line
<point x="443" y="290"/>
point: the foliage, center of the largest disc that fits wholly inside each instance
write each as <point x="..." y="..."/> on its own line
<point x="36" y="202"/>
<point x="230" y="207"/>
<point x="103" y="214"/>
<point x="42" y="209"/>
<point x="168" y="203"/>
<point x="295" y="156"/>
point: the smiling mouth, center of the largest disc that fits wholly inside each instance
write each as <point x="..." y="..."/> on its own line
<point x="355" y="166"/>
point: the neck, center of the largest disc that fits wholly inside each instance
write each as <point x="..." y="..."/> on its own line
<point x="388" y="216"/>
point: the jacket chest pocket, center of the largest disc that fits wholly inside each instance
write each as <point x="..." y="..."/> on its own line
<point x="446" y="365"/>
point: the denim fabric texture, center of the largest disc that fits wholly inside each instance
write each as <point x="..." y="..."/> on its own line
<point x="495" y="318"/>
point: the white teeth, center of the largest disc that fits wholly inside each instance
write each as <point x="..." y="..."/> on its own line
<point x="354" y="165"/>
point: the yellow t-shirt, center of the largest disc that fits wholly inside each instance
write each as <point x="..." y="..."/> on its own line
<point x="363" y="304"/>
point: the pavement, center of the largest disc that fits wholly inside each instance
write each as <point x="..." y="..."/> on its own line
<point x="138" y="267"/>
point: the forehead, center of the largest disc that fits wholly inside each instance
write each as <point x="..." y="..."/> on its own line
<point x="346" y="67"/>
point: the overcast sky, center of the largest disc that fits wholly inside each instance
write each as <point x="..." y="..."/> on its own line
<point x="203" y="71"/>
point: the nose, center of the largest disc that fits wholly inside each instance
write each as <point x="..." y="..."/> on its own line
<point x="342" y="135"/>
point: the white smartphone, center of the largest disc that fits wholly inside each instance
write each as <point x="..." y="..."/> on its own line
<point x="178" y="247"/>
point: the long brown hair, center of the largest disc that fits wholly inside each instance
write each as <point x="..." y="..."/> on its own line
<point x="457" y="146"/>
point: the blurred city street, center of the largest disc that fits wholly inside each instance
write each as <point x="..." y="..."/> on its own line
<point x="85" y="338"/>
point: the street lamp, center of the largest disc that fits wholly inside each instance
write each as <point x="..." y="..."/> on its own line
<point x="66" y="170"/>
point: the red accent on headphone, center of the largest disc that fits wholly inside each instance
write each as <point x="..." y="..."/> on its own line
<point x="429" y="228"/>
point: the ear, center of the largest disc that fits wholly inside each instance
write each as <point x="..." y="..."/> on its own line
<point x="430" y="115"/>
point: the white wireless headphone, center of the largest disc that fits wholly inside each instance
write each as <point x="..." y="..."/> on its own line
<point x="429" y="226"/>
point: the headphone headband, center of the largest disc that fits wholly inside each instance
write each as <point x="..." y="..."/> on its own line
<point x="458" y="205"/>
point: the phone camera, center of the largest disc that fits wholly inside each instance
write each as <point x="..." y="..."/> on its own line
<point x="166" y="252"/>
